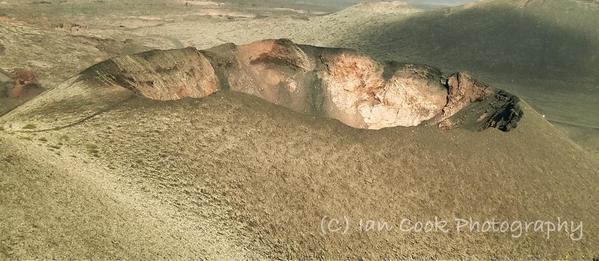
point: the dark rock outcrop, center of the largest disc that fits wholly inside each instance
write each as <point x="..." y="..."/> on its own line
<point x="476" y="105"/>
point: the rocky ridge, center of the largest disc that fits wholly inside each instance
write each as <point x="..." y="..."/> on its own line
<point x="342" y="84"/>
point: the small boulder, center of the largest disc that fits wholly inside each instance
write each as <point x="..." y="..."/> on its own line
<point x="25" y="83"/>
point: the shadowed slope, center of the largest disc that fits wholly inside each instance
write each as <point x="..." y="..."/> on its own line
<point x="550" y="39"/>
<point x="546" y="52"/>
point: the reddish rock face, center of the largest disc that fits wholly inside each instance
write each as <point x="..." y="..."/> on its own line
<point x="359" y="94"/>
<point x="463" y="91"/>
<point x="25" y="84"/>
<point x="341" y="84"/>
<point x="350" y="82"/>
<point x="335" y="83"/>
<point x="277" y="71"/>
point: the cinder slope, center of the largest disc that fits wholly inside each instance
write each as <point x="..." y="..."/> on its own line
<point x="230" y="175"/>
<point x="56" y="204"/>
<point x="278" y="173"/>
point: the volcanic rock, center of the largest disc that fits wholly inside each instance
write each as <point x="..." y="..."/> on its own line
<point x="25" y="84"/>
<point x="161" y="75"/>
<point x="341" y="84"/>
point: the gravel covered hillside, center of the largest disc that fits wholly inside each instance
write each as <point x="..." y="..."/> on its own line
<point x="106" y="165"/>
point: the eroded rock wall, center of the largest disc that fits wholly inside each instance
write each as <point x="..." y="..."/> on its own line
<point x="160" y="75"/>
<point x="336" y="83"/>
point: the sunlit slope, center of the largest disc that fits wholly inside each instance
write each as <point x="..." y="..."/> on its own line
<point x="56" y="204"/>
<point x="274" y="174"/>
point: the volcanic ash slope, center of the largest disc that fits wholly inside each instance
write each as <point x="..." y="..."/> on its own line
<point x="257" y="179"/>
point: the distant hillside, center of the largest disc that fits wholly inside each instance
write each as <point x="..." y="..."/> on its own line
<point x="335" y="5"/>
